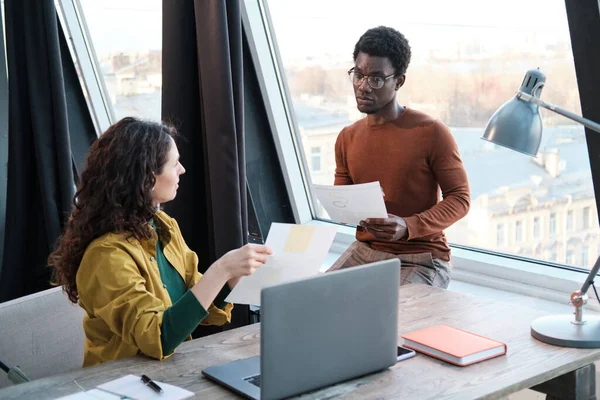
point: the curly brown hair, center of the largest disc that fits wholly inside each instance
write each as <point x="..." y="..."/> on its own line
<point x="113" y="193"/>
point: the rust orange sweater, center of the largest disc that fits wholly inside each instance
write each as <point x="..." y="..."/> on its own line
<point x="413" y="157"/>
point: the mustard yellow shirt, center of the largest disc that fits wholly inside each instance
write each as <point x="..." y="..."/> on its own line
<point x="121" y="291"/>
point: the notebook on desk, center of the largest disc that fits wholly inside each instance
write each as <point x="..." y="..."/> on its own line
<point x="320" y="331"/>
<point x="453" y="345"/>
<point x="130" y="387"/>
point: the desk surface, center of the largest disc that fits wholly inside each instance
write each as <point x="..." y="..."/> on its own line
<point x="527" y="363"/>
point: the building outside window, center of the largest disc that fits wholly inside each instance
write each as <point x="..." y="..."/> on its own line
<point x="126" y="36"/>
<point x="536" y="227"/>
<point x="518" y="231"/>
<point x="570" y="221"/>
<point x="500" y="235"/>
<point x="586" y="218"/>
<point x="460" y="80"/>
<point x="570" y="257"/>
<point x="552" y="227"/>
<point x="315" y="159"/>
<point x="585" y="257"/>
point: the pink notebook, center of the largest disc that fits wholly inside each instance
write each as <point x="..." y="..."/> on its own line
<point x="453" y="345"/>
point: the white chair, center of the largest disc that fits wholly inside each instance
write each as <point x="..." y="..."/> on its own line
<point x="42" y="333"/>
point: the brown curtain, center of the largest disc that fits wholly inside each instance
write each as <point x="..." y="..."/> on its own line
<point x="202" y="95"/>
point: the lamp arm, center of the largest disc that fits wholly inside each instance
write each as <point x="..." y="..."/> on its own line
<point x="590" y="278"/>
<point x="535" y="100"/>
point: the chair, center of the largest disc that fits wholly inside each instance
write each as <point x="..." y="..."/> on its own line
<point x="42" y="333"/>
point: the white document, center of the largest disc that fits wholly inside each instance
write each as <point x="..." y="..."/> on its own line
<point x="350" y="204"/>
<point x="132" y="387"/>
<point x="298" y="252"/>
<point x="93" y="394"/>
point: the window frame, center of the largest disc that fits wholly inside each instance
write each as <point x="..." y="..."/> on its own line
<point x="78" y="34"/>
<point x="274" y="88"/>
<point x="504" y="271"/>
<point x="508" y="272"/>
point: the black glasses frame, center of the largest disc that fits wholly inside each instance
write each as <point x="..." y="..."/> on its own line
<point x="352" y="73"/>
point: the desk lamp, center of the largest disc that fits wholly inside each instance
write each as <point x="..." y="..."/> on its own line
<point x="517" y="125"/>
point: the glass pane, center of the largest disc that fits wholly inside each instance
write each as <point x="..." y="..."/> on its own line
<point x="127" y="38"/>
<point x="464" y="66"/>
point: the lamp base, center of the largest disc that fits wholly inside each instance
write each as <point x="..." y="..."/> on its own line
<point x="560" y="331"/>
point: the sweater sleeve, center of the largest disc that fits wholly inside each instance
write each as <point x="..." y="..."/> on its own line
<point x="216" y="315"/>
<point x="342" y="175"/>
<point x="220" y="299"/>
<point x="180" y="320"/>
<point x="449" y="171"/>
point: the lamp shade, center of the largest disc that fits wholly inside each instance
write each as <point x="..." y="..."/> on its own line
<point x="517" y="124"/>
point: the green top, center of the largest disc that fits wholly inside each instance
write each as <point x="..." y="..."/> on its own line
<point x="180" y="320"/>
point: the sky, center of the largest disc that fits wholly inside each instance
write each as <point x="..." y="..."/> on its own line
<point x="320" y="27"/>
<point x="331" y="27"/>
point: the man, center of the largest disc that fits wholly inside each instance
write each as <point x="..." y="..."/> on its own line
<point x="412" y="155"/>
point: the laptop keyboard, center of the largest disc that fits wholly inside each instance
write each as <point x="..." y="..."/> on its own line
<point x="255" y="380"/>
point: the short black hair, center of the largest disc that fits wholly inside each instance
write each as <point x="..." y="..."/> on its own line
<point x="385" y="42"/>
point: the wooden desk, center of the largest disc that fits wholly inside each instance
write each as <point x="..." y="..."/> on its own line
<point x="528" y="362"/>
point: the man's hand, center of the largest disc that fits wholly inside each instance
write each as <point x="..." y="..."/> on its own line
<point x="391" y="228"/>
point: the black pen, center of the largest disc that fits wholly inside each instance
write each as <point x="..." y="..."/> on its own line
<point x="149" y="382"/>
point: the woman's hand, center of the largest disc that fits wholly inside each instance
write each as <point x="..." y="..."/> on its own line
<point x="243" y="261"/>
<point x="229" y="269"/>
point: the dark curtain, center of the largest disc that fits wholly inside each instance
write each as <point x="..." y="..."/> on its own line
<point x="584" y="27"/>
<point x="40" y="175"/>
<point x="202" y="96"/>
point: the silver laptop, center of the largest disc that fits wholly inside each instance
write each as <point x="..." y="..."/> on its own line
<point x="319" y="331"/>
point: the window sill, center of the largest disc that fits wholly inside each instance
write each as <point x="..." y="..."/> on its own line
<point x="493" y="271"/>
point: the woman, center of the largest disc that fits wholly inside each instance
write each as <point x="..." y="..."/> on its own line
<point x="125" y="261"/>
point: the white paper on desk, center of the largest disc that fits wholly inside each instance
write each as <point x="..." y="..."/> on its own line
<point x="350" y="204"/>
<point x="93" y="394"/>
<point x="298" y="252"/>
<point x="132" y="387"/>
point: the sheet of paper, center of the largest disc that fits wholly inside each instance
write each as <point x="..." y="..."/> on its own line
<point x="349" y="204"/>
<point x="298" y="252"/>
<point x="93" y="394"/>
<point x="132" y="387"/>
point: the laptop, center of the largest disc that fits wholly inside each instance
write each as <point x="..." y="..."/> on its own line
<point x="319" y="331"/>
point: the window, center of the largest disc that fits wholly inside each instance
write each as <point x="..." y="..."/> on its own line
<point x="461" y="80"/>
<point x="500" y="235"/>
<point x="552" y="226"/>
<point x="536" y="227"/>
<point x="586" y="218"/>
<point x="518" y="231"/>
<point x="315" y="159"/>
<point x="127" y="38"/>
<point x="585" y="257"/>
<point x="570" y="221"/>
<point x="570" y="257"/>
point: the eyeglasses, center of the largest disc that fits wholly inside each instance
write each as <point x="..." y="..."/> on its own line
<point x="374" y="81"/>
